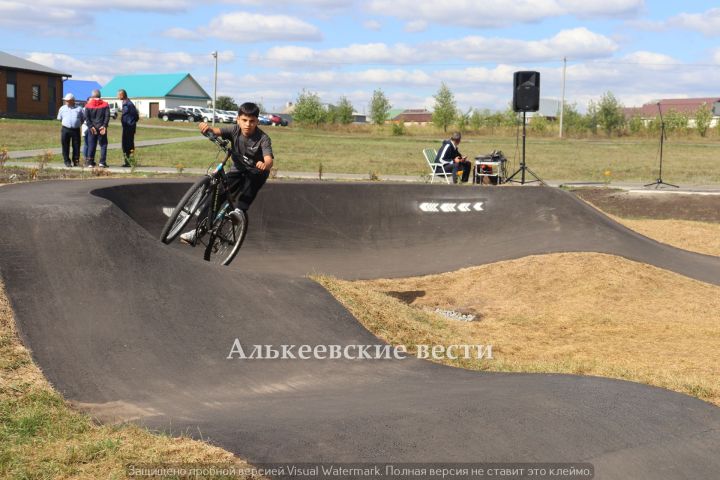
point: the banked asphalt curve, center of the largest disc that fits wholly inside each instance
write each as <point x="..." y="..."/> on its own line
<point x="128" y="328"/>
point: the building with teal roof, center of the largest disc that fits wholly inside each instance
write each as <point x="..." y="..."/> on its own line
<point x="154" y="92"/>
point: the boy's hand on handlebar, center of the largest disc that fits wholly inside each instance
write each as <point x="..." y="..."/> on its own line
<point x="204" y="127"/>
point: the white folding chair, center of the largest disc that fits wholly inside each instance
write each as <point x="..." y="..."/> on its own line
<point x="436" y="168"/>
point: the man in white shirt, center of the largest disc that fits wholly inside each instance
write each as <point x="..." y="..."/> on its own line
<point x="72" y="117"/>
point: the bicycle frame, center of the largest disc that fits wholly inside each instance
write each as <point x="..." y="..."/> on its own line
<point x="211" y="211"/>
<point x="217" y="179"/>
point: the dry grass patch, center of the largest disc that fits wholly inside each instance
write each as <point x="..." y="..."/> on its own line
<point x="41" y="437"/>
<point x="701" y="237"/>
<point x="577" y="313"/>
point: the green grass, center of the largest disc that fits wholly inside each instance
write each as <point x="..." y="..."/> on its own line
<point x="569" y="159"/>
<point x="37" y="134"/>
<point x="370" y="150"/>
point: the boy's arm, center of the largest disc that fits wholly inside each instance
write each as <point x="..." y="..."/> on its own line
<point x="204" y="127"/>
<point x="268" y="157"/>
<point x="266" y="164"/>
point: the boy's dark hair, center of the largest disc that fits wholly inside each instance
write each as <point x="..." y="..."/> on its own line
<point x="250" y="109"/>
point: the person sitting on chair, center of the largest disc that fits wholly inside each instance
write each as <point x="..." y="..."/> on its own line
<point x="452" y="159"/>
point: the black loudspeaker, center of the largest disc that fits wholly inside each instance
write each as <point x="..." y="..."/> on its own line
<point x="526" y="94"/>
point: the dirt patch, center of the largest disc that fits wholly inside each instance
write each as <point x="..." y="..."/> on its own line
<point x="690" y="222"/>
<point x="666" y="206"/>
<point x="700" y="237"/>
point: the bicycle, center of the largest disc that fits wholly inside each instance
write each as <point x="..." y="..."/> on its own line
<point x="226" y="232"/>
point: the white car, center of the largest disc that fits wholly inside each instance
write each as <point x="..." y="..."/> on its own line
<point x="205" y="113"/>
<point x="226" y="116"/>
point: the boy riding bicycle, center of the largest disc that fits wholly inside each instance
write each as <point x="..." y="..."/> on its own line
<point x="247" y="140"/>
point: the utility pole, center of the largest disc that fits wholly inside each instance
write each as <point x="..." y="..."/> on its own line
<point x="215" y="54"/>
<point x="562" y="101"/>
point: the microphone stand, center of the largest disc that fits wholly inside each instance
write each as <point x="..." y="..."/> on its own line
<point x="659" y="180"/>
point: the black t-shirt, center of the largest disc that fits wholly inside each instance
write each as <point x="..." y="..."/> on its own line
<point x="256" y="147"/>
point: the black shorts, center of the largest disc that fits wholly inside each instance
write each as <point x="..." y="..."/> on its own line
<point x="244" y="186"/>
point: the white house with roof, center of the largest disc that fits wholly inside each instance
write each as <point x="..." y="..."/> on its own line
<point x="154" y="92"/>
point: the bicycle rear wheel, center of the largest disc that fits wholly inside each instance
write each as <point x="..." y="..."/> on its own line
<point x="226" y="240"/>
<point x="188" y="206"/>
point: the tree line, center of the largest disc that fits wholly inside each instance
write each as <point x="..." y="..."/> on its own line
<point x="604" y="116"/>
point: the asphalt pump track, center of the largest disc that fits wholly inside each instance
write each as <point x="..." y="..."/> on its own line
<point x="129" y="328"/>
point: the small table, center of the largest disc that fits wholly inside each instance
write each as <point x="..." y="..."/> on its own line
<point x="485" y="161"/>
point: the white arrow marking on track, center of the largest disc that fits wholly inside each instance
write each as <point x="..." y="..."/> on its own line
<point x="429" y="207"/>
<point x="451" y="207"/>
<point x="448" y="207"/>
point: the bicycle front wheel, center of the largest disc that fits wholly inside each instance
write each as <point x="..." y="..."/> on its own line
<point x="226" y="240"/>
<point x="188" y="206"/>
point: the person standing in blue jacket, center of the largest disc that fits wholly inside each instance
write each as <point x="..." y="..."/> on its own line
<point x="129" y="118"/>
<point x="97" y="117"/>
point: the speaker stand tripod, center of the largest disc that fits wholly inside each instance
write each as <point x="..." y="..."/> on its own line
<point x="523" y="167"/>
<point x="659" y="180"/>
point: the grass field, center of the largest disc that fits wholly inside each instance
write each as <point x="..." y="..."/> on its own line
<point x="366" y="150"/>
<point x="37" y="134"/>
<point x="364" y="153"/>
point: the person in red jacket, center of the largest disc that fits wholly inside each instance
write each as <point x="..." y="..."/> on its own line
<point x="97" y="118"/>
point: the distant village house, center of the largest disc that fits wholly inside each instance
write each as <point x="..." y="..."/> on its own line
<point x="28" y="89"/>
<point x="81" y="89"/>
<point x="154" y="92"/>
<point x="687" y="106"/>
<point x="419" y="116"/>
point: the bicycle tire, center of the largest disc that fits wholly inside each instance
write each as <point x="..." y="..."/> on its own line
<point x="226" y="240"/>
<point x="186" y="208"/>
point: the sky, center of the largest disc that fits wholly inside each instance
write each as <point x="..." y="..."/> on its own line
<point x="270" y="51"/>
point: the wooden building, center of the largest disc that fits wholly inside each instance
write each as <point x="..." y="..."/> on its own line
<point x="28" y="89"/>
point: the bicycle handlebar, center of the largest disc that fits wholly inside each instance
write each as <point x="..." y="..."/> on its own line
<point x="225" y="146"/>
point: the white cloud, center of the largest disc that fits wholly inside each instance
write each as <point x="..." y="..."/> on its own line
<point x="358" y="54"/>
<point x="373" y="25"/>
<point x="244" y="27"/>
<point x="707" y="23"/>
<point x="333" y="4"/>
<point x="490" y="13"/>
<point x="88" y="7"/>
<point x="181" y="34"/>
<point x="498" y="13"/>
<point x="651" y="60"/>
<point x="578" y="43"/>
<point x="127" y="61"/>
<point x="416" y="26"/>
<point x="601" y="8"/>
<point x="716" y="56"/>
<point x="45" y="20"/>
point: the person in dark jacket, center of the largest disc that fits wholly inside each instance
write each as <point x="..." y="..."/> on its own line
<point x="129" y="118"/>
<point x="452" y="159"/>
<point x="97" y="115"/>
